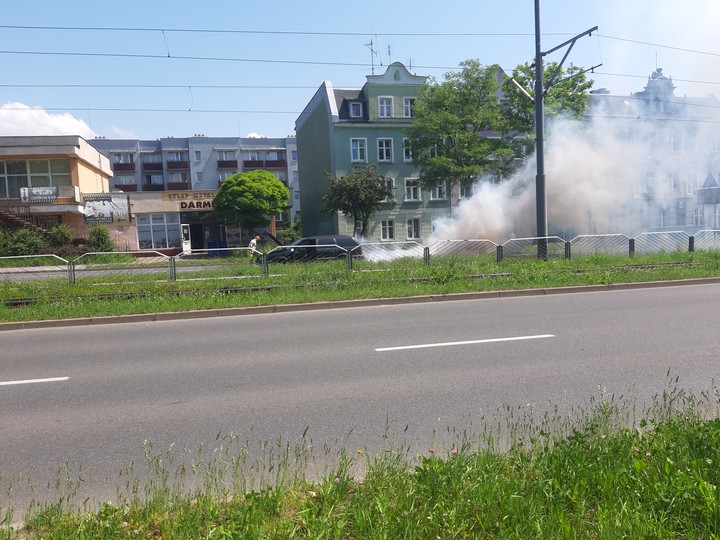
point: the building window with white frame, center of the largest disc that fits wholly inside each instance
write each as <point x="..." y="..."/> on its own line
<point x="358" y="150"/>
<point x="198" y="156"/>
<point x="385" y="150"/>
<point x="387" y="229"/>
<point x="466" y="192"/>
<point x="413" y="229"/>
<point x="390" y="185"/>
<point x="409" y="107"/>
<point x="124" y="180"/>
<point x="412" y="189"/>
<point x="124" y="157"/>
<point x="385" y="107"/>
<point x="356" y="109"/>
<point x="407" y="151"/>
<point x="673" y="181"/>
<point x="438" y="193"/>
<point x="155" y="231"/>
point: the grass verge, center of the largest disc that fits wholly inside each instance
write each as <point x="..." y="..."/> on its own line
<point x="238" y="284"/>
<point x="609" y="469"/>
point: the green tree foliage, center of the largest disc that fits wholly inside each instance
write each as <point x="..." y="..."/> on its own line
<point x="61" y="235"/>
<point x="99" y="240"/>
<point x="358" y="194"/>
<point x="477" y="121"/>
<point x="249" y="198"/>
<point x="23" y="241"/>
<point x="566" y="94"/>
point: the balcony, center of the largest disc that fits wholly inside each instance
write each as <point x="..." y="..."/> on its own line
<point x="275" y="163"/>
<point x="253" y="164"/>
<point x="178" y="186"/>
<point x="153" y="187"/>
<point x="175" y="165"/>
<point x="227" y="164"/>
<point x="152" y="166"/>
<point x="124" y="167"/>
<point x="126" y="187"/>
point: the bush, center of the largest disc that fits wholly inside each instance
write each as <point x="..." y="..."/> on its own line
<point x="289" y="234"/>
<point x="61" y="235"/>
<point x="99" y="240"/>
<point x="23" y="241"/>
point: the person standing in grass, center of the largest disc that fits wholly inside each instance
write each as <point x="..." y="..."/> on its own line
<point x="253" y="244"/>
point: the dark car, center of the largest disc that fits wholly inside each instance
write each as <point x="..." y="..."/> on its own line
<point x="315" y="248"/>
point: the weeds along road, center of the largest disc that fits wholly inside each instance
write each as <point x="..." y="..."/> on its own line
<point x="87" y="397"/>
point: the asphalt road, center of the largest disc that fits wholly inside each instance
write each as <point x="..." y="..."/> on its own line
<point x="85" y="398"/>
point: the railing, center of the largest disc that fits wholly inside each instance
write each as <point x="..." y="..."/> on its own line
<point x="244" y="262"/>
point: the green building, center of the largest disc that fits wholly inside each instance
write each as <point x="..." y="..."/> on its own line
<point x="341" y="127"/>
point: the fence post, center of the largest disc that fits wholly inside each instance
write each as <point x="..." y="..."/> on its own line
<point x="71" y="272"/>
<point x="499" y="253"/>
<point x="173" y="269"/>
<point x="691" y="244"/>
<point x="349" y="259"/>
<point x="426" y="255"/>
<point x="568" y="250"/>
<point x="631" y="247"/>
<point x="263" y="259"/>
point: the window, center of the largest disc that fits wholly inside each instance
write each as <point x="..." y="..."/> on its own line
<point x="297" y="195"/>
<point x="412" y="189"/>
<point x="387" y="229"/>
<point x="673" y="181"/>
<point x="154" y="180"/>
<point x="438" y="192"/>
<point x="692" y="183"/>
<point x="124" y="180"/>
<point x="226" y="155"/>
<point x="293" y="155"/>
<point x="198" y="156"/>
<point x="124" y="158"/>
<point x="673" y="142"/>
<point x="156" y="231"/>
<point x="152" y="158"/>
<point x="408" y="107"/>
<point x="358" y="150"/>
<point x="251" y="156"/>
<point x="198" y="177"/>
<point x="413" y="229"/>
<point x="178" y="177"/>
<point x="224" y="175"/>
<point x="385" y="106"/>
<point x="385" y="152"/>
<point x="407" y="151"/>
<point x="356" y="109"/>
<point x="33" y="173"/>
<point x="177" y="156"/>
<point x="466" y="192"/>
<point x="390" y="184"/>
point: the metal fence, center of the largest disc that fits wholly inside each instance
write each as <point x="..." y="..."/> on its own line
<point x="244" y="262"/>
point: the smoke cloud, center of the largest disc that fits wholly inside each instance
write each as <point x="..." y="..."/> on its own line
<point x="622" y="170"/>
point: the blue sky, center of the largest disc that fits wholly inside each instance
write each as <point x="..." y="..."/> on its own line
<point x="272" y="57"/>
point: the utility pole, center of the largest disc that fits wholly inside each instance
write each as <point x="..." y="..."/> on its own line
<point x="540" y="92"/>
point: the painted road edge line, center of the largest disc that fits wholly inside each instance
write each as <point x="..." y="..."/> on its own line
<point x="472" y="342"/>
<point x="33" y="381"/>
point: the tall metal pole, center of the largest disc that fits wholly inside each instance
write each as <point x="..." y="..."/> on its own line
<point x="540" y="191"/>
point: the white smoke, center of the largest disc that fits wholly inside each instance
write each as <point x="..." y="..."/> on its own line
<point x="604" y="175"/>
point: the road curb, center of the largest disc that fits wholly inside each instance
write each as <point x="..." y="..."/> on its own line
<point x="370" y="302"/>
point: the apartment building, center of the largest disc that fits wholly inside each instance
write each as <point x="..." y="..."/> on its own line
<point x="171" y="183"/>
<point x="342" y="127"/>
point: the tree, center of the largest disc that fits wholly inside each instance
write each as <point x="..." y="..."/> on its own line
<point x="566" y="94"/>
<point x="358" y="194"/>
<point x="460" y="131"/>
<point x="477" y="121"/>
<point x="249" y="198"/>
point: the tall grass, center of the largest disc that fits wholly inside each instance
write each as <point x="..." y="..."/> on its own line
<point x="611" y="468"/>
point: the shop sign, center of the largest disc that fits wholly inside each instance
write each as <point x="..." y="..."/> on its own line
<point x="192" y="200"/>
<point x="46" y="194"/>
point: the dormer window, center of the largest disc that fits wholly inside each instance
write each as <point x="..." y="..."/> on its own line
<point x="356" y="109"/>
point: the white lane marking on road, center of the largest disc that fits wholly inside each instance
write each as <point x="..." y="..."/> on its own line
<point x="453" y="343"/>
<point x="33" y="381"/>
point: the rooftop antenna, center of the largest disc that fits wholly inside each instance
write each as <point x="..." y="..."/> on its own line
<point x="373" y="54"/>
<point x="389" y="56"/>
